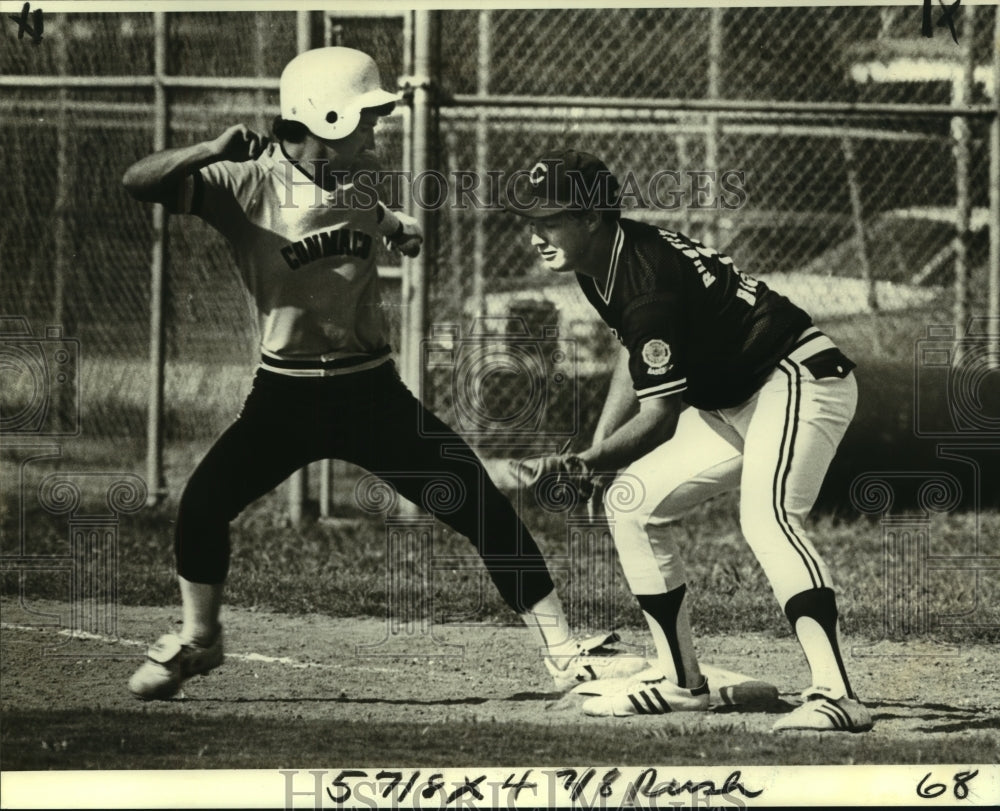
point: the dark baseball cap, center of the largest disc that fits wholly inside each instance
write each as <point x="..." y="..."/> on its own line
<point x="563" y="180"/>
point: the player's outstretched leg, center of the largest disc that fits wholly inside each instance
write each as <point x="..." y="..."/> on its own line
<point x="411" y="459"/>
<point x="256" y="453"/>
<point x="570" y="660"/>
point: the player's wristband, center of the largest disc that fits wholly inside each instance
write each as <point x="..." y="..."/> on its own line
<point x="575" y="465"/>
<point x="389" y="225"/>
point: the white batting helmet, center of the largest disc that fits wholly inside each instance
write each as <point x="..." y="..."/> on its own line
<point x="327" y="88"/>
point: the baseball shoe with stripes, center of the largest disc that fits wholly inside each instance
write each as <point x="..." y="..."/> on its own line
<point x="593" y="661"/>
<point x="653" y="694"/>
<point x="170" y="662"/>
<point x="820" y="712"/>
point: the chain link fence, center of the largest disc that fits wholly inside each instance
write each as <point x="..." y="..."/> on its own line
<point x="775" y="159"/>
<point x="851" y="214"/>
<point x="76" y="249"/>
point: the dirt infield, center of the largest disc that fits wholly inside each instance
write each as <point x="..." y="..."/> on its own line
<point x="309" y="667"/>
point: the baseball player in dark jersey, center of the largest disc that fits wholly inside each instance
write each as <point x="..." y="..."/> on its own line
<point x="303" y="234"/>
<point x="736" y="389"/>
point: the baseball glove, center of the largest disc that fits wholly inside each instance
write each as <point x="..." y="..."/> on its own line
<point x="561" y="479"/>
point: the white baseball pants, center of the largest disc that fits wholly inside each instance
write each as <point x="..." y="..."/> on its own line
<point x="776" y="448"/>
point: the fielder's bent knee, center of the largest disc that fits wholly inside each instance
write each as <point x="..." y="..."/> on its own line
<point x="642" y="565"/>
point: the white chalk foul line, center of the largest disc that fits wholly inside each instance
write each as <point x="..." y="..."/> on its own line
<point x="753" y="690"/>
<point x="132" y="643"/>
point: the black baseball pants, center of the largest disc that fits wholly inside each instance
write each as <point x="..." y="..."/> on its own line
<point x="369" y="419"/>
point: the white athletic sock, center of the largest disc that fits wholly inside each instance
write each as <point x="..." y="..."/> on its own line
<point x="826" y="668"/>
<point x="201" y="604"/>
<point x="548" y="623"/>
<point x="813" y="616"/>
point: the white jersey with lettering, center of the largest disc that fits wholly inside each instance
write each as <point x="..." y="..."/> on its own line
<point x="306" y="255"/>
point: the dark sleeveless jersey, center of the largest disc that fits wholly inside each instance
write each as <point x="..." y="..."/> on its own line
<point x="692" y="322"/>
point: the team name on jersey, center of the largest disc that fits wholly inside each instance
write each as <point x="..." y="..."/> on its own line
<point x="335" y="242"/>
<point x="692" y="251"/>
<point x="695" y="251"/>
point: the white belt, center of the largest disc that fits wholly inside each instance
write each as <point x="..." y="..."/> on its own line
<point x="810" y="343"/>
<point x="320" y="368"/>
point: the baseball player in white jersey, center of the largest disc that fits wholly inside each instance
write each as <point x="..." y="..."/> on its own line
<point x="736" y="389"/>
<point x="304" y="233"/>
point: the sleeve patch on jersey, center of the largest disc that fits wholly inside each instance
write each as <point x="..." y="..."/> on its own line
<point x="656" y="355"/>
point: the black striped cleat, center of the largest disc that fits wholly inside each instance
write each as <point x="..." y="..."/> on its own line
<point x="653" y="694"/>
<point x="823" y="713"/>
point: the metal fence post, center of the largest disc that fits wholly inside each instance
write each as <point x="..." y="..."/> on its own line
<point x="155" y="483"/>
<point x="418" y="65"/>
<point x="63" y="311"/>
<point x="415" y="270"/>
<point x="962" y="89"/>
<point x="479" y="247"/>
<point x="713" y="129"/>
<point x="298" y="482"/>
<point x="407" y="201"/>
<point x="858" y="217"/>
<point x="259" y="44"/>
<point x="994" y="184"/>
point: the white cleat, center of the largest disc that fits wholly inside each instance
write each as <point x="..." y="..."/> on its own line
<point x="594" y="661"/>
<point x="820" y="712"/>
<point x="170" y="662"/>
<point x="613" y="686"/>
<point x="652" y="694"/>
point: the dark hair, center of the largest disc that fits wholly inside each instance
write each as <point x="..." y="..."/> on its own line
<point x="294" y="132"/>
<point x="611" y="210"/>
<point x="610" y="214"/>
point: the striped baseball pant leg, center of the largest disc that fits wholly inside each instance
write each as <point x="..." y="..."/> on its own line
<point x="699" y="462"/>
<point x="776" y="448"/>
<point x="791" y="431"/>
